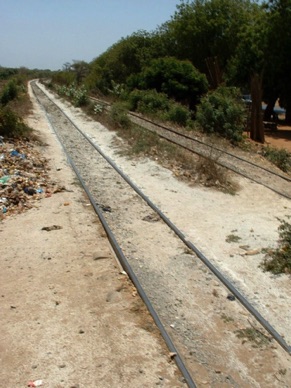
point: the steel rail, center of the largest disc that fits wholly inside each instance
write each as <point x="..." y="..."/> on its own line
<point x="211" y="146"/>
<point x="190" y="245"/>
<point x="183" y="135"/>
<point x="122" y="259"/>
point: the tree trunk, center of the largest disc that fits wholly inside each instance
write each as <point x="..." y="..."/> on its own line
<point x="257" y="127"/>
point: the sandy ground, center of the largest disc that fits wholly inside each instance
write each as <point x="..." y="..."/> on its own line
<point x="68" y="316"/>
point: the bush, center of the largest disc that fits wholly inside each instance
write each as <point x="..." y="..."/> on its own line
<point x="280" y="157"/>
<point x="179" y="114"/>
<point x="179" y="80"/>
<point x="148" y="101"/>
<point x="10" y="124"/>
<point x="79" y="96"/>
<point x="221" y="112"/>
<point x="279" y="260"/>
<point x="9" y="92"/>
<point x="118" y="115"/>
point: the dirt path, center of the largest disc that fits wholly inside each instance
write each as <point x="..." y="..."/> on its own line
<point x="67" y="314"/>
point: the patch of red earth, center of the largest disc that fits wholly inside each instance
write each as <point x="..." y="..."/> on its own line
<point x="280" y="138"/>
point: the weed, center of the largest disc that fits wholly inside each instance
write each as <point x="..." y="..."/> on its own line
<point x="252" y="335"/>
<point x="78" y="96"/>
<point x="279" y="260"/>
<point x="280" y="157"/>
<point x="232" y="238"/>
<point x="226" y="318"/>
<point x="118" y="116"/>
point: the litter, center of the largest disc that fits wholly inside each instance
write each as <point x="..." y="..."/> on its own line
<point x="4" y="179"/>
<point x="35" y="383"/>
<point x="23" y="177"/>
<point x="16" y="153"/>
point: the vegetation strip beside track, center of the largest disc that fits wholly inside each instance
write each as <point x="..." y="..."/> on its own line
<point x="246" y="168"/>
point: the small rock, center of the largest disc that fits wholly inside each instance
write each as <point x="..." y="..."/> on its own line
<point x="230" y="297"/>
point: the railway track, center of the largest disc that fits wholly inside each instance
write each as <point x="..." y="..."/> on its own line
<point x="269" y="177"/>
<point x="116" y="213"/>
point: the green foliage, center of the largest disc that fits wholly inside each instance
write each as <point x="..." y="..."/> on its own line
<point x="63" y="78"/>
<point x="9" y="92"/>
<point x="256" y="337"/>
<point x="280" y="157"/>
<point x="118" y="115"/>
<point x="221" y="112"/>
<point x="148" y="101"/>
<point x="179" y="80"/>
<point x="201" y="29"/>
<point x="11" y="125"/>
<point x="158" y="105"/>
<point x="179" y="114"/>
<point x="124" y="58"/>
<point x="279" y="260"/>
<point x="79" y="96"/>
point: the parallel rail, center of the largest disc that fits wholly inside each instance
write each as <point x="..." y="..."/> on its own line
<point x="239" y="165"/>
<point x="178" y="359"/>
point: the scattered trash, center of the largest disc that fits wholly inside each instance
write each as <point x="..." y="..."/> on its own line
<point x="231" y="297"/>
<point x="66" y="203"/>
<point x="23" y="177"/>
<point x="4" y="179"/>
<point x="29" y="190"/>
<point x="16" y="153"/>
<point x="53" y="227"/>
<point x="35" y="383"/>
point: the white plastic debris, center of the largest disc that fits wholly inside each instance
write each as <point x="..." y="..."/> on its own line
<point x="35" y="383"/>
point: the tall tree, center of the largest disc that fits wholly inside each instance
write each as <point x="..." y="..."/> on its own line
<point x="203" y="29"/>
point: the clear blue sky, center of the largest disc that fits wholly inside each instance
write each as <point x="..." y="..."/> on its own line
<point x="45" y="34"/>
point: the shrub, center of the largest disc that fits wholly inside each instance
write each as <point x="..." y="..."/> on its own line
<point x="222" y="112"/>
<point x="148" y="101"/>
<point x="279" y="260"/>
<point x="179" y="114"/>
<point x="280" y="157"/>
<point x="10" y="124"/>
<point x="179" y="80"/>
<point x="118" y="115"/>
<point x="79" y="96"/>
<point x="9" y="92"/>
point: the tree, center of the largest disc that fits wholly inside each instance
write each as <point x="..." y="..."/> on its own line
<point x="179" y="80"/>
<point x="80" y="69"/>
<point x="124" y="58"/>
<point x="204" y="29"/>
